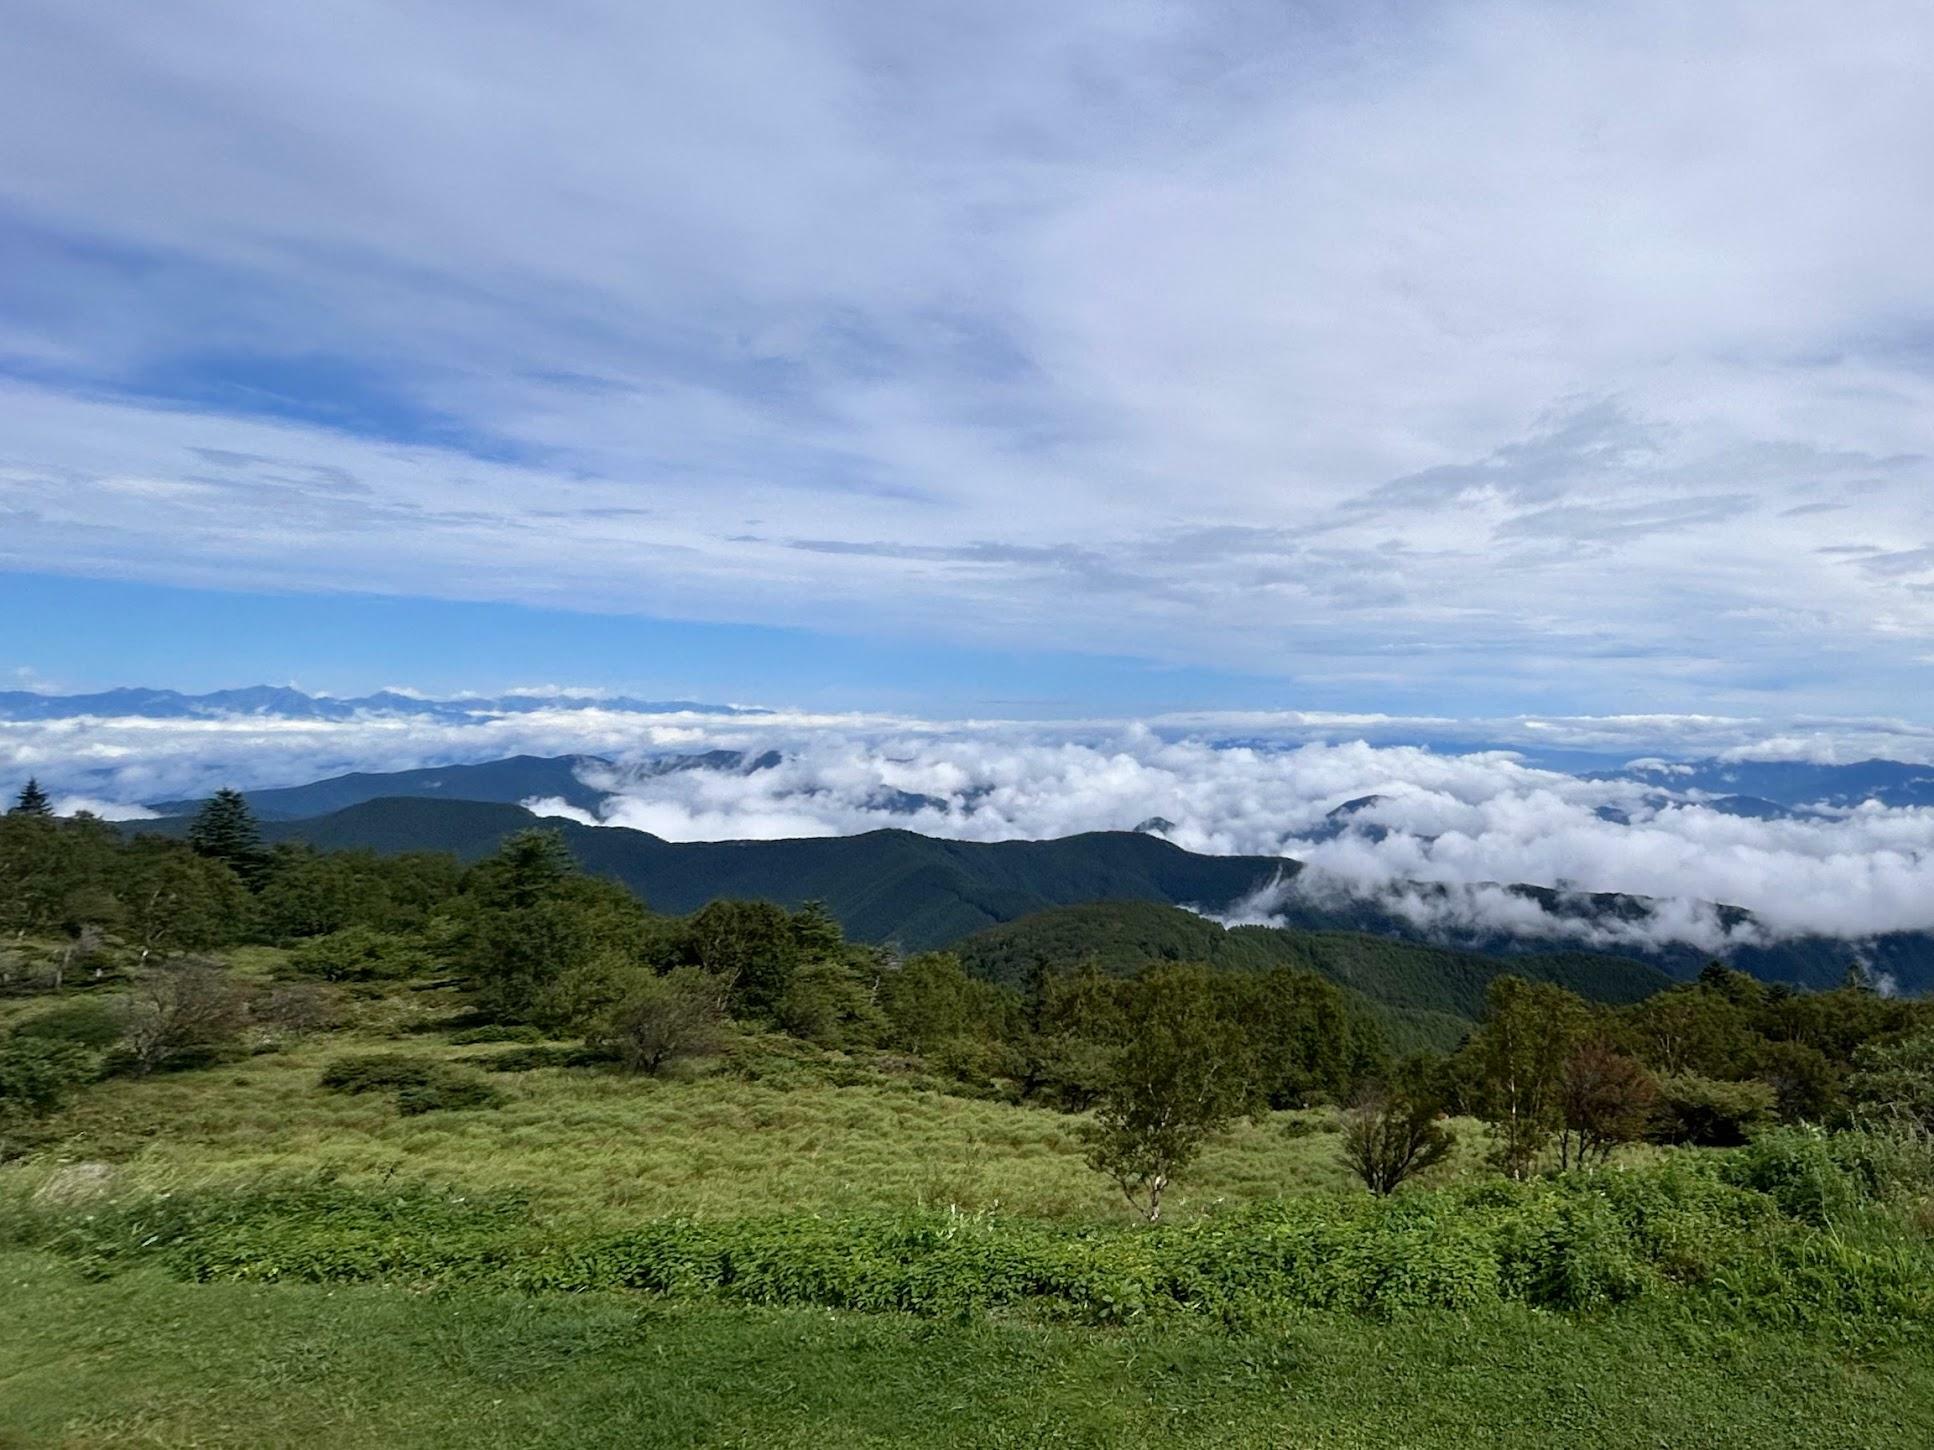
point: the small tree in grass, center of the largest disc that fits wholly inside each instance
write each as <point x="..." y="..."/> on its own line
<point x="1606" y="1099"/>
<point x="1519" y="1054"/>
<point x="179" y="1012"/>
<point x="36" y="1074"/>
<point x="1181" y="1076"/>
<point x="664" y="1018"/>
<point x="1390" y="1134"/>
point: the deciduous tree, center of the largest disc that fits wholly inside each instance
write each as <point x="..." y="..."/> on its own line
<point x="665" y="1018"/>
<point x="1605" y="1099"/>
<point x="1181" y="1075"/>
<point x="1390" y="1135"/>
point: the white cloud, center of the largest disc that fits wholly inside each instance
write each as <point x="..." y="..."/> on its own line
<point x="1474" y="381"/>
<point x="1463" y="821"/>
<point x="69" y="805"/>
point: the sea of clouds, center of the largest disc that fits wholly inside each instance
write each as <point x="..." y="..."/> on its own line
<point x="1451" y="814"/>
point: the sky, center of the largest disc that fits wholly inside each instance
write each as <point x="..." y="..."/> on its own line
<point x="1462" y="359"/>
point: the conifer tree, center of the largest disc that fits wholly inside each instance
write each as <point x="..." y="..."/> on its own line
<point x="224" y="830"/>
<point x="33" y="801"/>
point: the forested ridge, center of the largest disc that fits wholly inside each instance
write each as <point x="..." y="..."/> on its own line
<point x="921" y="892"/>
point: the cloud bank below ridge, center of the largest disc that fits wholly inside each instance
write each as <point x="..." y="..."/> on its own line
<point x="1253" y="783"/>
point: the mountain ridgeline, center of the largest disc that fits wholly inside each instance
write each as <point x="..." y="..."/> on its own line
<point x="920" y="892"/>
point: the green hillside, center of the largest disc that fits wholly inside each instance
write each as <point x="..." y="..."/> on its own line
<point x="921" y="892"/>
<point x="1426" y="996"/>
<point x="916" y="891"/>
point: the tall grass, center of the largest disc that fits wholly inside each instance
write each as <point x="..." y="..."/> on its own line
<point x="594" y="1140"/>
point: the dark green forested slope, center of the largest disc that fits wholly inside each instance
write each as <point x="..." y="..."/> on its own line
<point x="915" y="890"/>
<point x="1425" y="995"/>
<point x="921" y="892"/>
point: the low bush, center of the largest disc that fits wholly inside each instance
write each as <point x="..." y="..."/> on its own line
<point x="447" y="1091"/>
<point x="421" y="1084"/>
<point x="378" y="1072"/>
<point x="85" y="1024"/>
<point x="361" y="954"/>
<point x="529" y="1059"/>
<point x="37" y="1073"/>
<point x="495" y="1032"/>
<point x="1710" y="1113"/>
<point x="1821" y="1178"/>
<point x="181" y="1014"/>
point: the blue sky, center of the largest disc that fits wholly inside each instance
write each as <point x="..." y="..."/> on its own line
<point x="78" y="634"/>
<point x="1096" y="357"/>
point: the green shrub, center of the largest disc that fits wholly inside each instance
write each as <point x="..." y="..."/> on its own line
<point x="378" y="1072"/>
<point x="497" y="1032"/>
<point x="84" y="1024"/>
<point x="36" y="1074"/>
<point x="360" y="954"/>
<point x="1574" y="1245"/>
<point x="529" y="1059"/>
<point x="1797" y="1169"/>
<point x="448" y="1090"/>
<point x="1822" y="1178"/>
<point x="421" y="1084"/>
<point x="1709" y="1113"/>
<point x="1893" y="1083"/>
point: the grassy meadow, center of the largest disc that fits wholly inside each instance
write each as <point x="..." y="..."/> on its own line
<point x="612" y="1258"/>
<point x="776" y="1126"/>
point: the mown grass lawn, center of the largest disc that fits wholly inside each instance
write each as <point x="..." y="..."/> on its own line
<point x="144" y="1360"/>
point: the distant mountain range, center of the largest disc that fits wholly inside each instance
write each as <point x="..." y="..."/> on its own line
<point x="504" y="782"/>
<point x="1775" y="790"/>
<point x="511" y="781"/>
<point x="1768" y="788"/>
<point x="283" y="703"/>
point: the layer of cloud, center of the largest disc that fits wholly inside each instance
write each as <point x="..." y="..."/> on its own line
<point x="1465" y="821"/>
<point x="1387" y="348"/>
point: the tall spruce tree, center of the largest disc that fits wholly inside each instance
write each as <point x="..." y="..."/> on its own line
<point x="224" y="830"/>
<point x="32" y="801"/>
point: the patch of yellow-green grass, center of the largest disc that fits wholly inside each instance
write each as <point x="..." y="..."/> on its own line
<point x="254" y="961"/>
<point x="597" y="1142"/>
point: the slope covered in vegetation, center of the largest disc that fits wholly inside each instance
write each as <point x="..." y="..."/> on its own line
<point x="270" y="1086"/>
<point x="1425" y="995"/>
<point x="920" y="892"/>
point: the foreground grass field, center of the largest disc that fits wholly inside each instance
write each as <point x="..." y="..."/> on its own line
<point x="144" y="1360"/>
<point x="602" y="1258"/>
